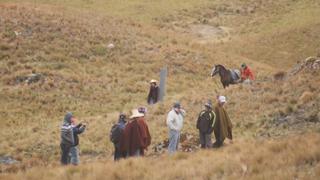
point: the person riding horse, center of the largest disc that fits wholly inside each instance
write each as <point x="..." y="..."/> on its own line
<point x="227" y="76"/>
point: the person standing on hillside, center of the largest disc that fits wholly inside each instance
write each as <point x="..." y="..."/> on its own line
<point x="175" y="123"/>
<point x="205" y="124"/>
<point x="67" y="138"/>
<point x="115" y="135"/>
<point x="74" y="151"/>
<point x="222" y="127"/>
<point x="153" y="92"/>
<point x="135" y="138"/>
<point x="246" y="74"/>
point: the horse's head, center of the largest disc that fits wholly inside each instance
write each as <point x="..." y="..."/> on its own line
<point x="215" y="70"/>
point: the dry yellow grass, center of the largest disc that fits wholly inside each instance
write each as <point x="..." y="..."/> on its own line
<point x="69" y="46"/>
<point x="285" y="158"/>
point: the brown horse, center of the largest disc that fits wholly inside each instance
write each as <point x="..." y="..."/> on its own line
<point x="227" y="76"/>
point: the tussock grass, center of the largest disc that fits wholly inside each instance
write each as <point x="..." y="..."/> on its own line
<point x="283" y="158"/>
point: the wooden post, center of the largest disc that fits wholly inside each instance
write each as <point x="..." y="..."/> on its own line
<point x="162" y="85"/>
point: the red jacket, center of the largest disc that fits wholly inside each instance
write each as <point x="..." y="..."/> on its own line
<point x="247" y="74"/>
<point x="134" y="137"/>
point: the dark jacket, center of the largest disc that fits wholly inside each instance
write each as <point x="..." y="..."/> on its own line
<point x="122" y="124"/>
<point x="153" y="95"/>
<point x="76" y="131"/>
<point x="205" y="121"/>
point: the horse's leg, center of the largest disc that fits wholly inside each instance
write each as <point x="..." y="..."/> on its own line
<point x="224" y="84"/>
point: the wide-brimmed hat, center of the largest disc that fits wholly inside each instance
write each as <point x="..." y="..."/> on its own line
<point x="136" y="114"/>
<point x="222" y="99"/>
<point x="153" y="81"/>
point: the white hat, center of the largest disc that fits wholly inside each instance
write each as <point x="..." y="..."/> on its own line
<point x="135" y="114"/>
<point x="222" y="99"/>
<point x="153" y="81"/>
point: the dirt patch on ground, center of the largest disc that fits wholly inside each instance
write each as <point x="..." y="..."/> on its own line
<point x="207" y="33"/>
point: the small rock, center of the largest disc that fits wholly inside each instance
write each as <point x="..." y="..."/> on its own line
<point x="17" y="33"/>
<point x="20" y="79"/>
<point x="29" y="79"/>
<point x="28" y="32"/>
<point x="7" y="160"/>
<point x="33" y="78"/>
<point x="110" y="46"/>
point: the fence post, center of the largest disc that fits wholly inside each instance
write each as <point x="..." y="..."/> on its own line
<point x="162" y="85"/>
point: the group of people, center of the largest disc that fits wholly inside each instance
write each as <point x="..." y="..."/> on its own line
<point x="132" y="138"/>
<point x="214" y="120"/>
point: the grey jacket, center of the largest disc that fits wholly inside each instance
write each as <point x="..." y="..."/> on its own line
<point x="67" y="137"/>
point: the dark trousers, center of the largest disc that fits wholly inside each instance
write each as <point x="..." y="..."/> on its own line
<point x="65" y="157"/>
<point x="205" y="140"/>
<point x="117" y="153"/>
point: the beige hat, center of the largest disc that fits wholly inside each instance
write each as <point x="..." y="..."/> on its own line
<point x="222" y="99"/>
<point x="136" y="114"/>
<point x="153" y="81"/>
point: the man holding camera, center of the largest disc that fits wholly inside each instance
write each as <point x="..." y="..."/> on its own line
<point x="74" y="150"/>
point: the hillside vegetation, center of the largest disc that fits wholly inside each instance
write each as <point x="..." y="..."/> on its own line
<point x="276" y="121"/>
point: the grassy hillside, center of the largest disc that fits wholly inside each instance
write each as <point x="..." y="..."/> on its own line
<point x="67" y="43"/>
<point x="136" y="9"/>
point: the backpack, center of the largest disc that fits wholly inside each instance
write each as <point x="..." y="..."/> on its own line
<point x="115" y="133"/>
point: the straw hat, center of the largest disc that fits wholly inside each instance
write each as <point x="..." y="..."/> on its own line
<point x="222" y="99"/>
<point x="136" y="114"/>
<point x="153" y="81"/>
